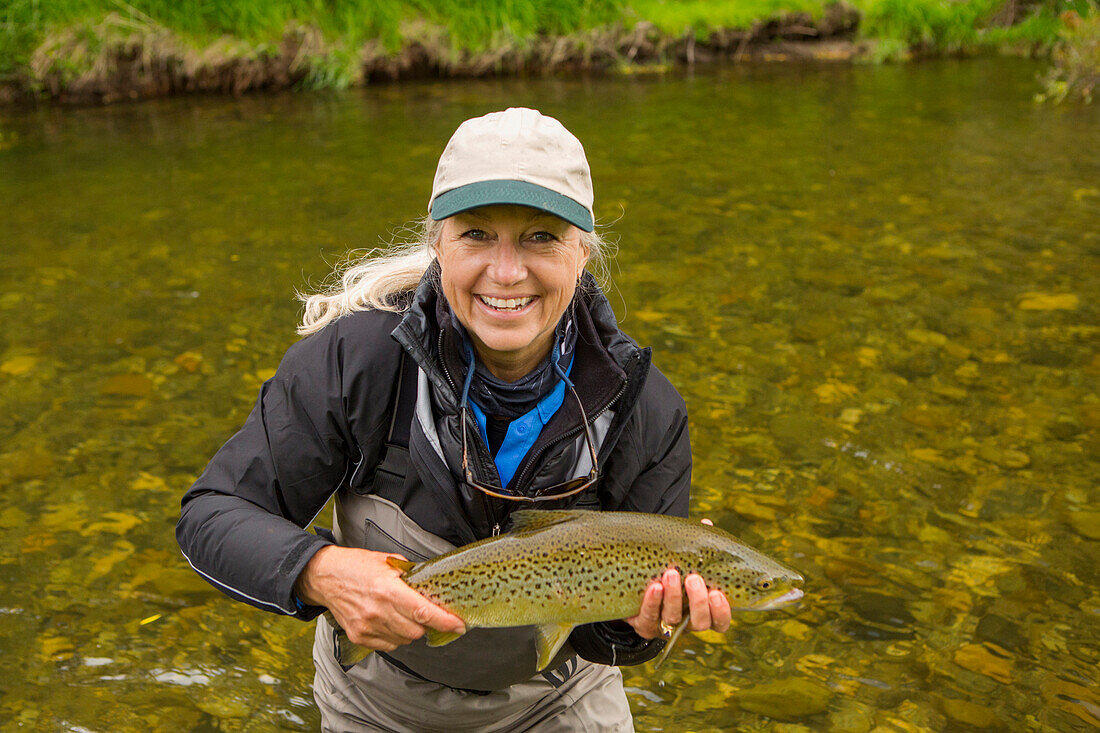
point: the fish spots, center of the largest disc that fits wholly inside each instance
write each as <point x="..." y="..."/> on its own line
<point x="595" y="566"/>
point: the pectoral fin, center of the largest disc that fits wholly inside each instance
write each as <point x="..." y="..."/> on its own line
<point x="347" y="652"/>
<point x="550" y="639"/>
<point x="441" y="638"/>
<point x="401" y="564"/>
<point x="672" y="641"/>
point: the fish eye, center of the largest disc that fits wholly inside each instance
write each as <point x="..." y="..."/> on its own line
<point x="763" y="584"/>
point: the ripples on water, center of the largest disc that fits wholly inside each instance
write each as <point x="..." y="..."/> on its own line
<point x="875" y="287"/>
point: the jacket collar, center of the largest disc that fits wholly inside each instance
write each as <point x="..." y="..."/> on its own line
<point x="603" y="350"/>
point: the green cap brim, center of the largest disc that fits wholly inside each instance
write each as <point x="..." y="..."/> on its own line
<point x="488" y="193"/>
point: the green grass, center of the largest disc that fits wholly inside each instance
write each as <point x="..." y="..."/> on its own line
<point x="676" y="17"/>
<point x="345" y="26"/>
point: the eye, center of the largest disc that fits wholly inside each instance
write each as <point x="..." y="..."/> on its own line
<point x="763" y="584"/>
<point x="542" y="237"/>
<point x="477" y="235"/>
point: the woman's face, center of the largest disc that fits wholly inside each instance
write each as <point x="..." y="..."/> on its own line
<point x="508" y="273"/>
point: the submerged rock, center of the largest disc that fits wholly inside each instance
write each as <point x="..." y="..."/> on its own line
<point x="799" y="436"/>
<point x="968" y="713"/>
<point x="786" y="699"/>
<point x="1004" y="457"/>
<point x="852" y="717"/>
<point x="1085" y="523"/>
<point x="982" y="659"/>
<point x="1002" y="632"/>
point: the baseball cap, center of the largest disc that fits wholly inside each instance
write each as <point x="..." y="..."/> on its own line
<point x="518" y="156"/>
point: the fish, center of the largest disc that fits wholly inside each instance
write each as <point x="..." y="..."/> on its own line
<point x="557" y="569"/>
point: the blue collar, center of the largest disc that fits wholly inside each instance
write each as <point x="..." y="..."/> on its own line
<point x="524" y="430"/>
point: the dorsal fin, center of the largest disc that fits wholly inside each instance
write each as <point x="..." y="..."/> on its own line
<point x="400" y="563"/>
<point x="526" y="520"/>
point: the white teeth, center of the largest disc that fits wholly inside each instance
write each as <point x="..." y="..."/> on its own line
<point x="510" y="304"/>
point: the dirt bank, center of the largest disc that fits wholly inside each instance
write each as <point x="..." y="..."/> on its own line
<point x="121" y="64"/>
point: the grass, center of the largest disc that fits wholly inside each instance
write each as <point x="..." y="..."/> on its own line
<point x="63" y="37"/>
<point x="701" y="16"/>
<point x="948" y="26"/>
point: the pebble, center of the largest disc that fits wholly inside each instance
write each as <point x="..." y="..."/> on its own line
<point x="1064" y="428"/>
<point x="850" y="719"/>
<point x="978" y="658"/>
<point x="34" y="462"/>
<point x="814" y="328"/>
<point x="800" y="436"/>
<point x="1048" y="302"/>
<point x="931" y="416"/>
<point x="752" y="510"/>
<point x="926" y="337"/>
<point x="127" y="385"/>
<point x="1004" y="457"/>
<point x="1002" y="632"/>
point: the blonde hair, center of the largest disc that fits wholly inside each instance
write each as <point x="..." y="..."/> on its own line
<point x="375" y="280"/>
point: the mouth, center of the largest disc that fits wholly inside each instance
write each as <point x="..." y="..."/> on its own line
<point x="506" y="305"/>
<point x="785" y="599"/>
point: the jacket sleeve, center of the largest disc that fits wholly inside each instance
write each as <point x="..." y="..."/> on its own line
<point x="241" y="526"/>
<point x="661" y="471"/>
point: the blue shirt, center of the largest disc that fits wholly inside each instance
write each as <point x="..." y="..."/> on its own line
<point x="523" y="431"/>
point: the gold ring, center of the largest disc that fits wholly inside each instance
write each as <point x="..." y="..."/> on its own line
<point x="666" y="629"/>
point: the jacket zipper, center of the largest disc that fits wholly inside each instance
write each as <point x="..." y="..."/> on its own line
<point x="576" y="431"/>
<point x="486" y="503"/>
<point x="446" y="371"/>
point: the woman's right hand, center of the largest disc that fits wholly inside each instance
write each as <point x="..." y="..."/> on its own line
<point x="370" y="601"/>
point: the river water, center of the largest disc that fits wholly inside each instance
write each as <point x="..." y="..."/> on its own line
<point x="876" y="287"/>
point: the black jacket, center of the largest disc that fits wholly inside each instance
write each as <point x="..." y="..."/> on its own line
<point x="322" y="420"/>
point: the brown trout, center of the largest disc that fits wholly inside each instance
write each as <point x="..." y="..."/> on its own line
<point x="558" y="569"/>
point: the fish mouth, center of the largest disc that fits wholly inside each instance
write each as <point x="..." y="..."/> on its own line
<point x="784" y="599"/>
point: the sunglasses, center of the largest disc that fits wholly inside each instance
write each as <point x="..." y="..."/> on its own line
<point x="551" y="493"/>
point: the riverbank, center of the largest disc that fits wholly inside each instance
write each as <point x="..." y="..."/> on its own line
<point x="71" y="52"/>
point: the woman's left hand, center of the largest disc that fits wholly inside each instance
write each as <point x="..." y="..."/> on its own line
<point x="663" y="601"/>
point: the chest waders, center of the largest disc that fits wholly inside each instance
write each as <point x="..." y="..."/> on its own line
<point x="486" y="680"/>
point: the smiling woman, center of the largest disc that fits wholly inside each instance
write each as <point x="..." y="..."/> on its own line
<point x="440" y="387"/>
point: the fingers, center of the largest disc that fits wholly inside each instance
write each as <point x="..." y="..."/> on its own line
<point x="647" y="624"/>
<point x="707" y="522"/>
<point x="437" y="617"/>
<point x="720" y="613"/>
<point x="406" y="615"/>
<point x="672" y="606"/>
<point x="698" y="602"/>
<point x="664" y="602"/>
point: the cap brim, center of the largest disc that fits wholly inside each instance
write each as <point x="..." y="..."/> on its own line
<point x="488" y="193"/>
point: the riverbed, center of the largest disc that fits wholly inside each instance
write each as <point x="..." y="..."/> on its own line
<point x="875" y="286"/>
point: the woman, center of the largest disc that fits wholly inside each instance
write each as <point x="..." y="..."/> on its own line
<point x="439" y="389"/>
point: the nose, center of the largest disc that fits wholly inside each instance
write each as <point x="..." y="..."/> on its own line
<point x="507" y="266"/>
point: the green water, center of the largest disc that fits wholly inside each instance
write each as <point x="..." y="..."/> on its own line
<point x="875" y="287"/>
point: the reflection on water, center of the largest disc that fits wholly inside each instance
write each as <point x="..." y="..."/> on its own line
<point x="875" y="287"/>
